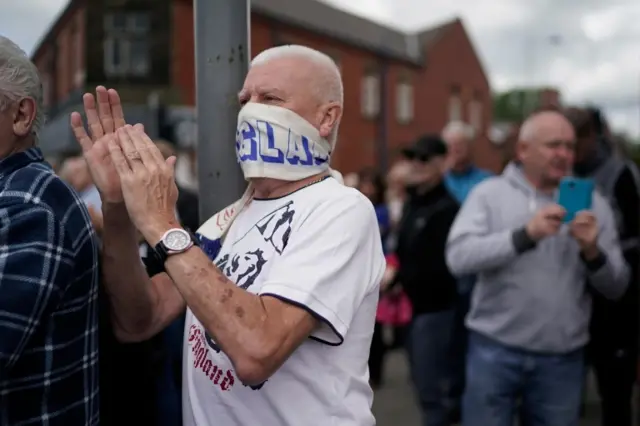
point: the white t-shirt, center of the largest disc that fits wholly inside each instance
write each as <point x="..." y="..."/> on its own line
<point x="318" y="248"/>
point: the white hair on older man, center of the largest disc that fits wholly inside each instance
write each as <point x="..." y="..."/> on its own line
<point x="19" y="79"/>
<point x="459" y="128"/>
<point x="328" y="87"/>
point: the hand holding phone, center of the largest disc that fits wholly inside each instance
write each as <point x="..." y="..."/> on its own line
<point x="575" y="195"/>
<point x="546" y="222"/>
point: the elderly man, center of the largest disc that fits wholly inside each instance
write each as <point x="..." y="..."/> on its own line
<point x="461" y="177"/>
<point x="48" y="273"/>
<point x="530" y="310"/>
<point x="281" y="308"/>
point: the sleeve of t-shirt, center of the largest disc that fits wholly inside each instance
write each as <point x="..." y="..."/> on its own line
<point x="332" y="262"/>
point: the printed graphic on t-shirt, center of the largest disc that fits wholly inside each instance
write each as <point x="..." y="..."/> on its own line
<point x="243" y="263"/>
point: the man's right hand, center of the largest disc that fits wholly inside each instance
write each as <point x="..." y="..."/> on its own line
<point x="546" y="222"/>
<point x="103" y="118"/>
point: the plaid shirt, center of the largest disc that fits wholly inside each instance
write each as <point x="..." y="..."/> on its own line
<point x="48" y="299"/>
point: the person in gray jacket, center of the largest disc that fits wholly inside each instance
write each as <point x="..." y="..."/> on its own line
<point x="530" y="309"/>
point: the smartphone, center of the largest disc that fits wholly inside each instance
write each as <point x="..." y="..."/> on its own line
<point x="574" y="195"/>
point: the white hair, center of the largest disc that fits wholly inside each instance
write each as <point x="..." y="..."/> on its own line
<point x="328" y="89"/>
<point x="19" y="79"/>
<point x="459" y="128"/>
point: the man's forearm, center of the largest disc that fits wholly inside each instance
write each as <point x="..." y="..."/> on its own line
<point x="235" y="318"/>
<point x="130" y="291"/>
<point x="473" y="254"/>
<point x="608" y="276"/>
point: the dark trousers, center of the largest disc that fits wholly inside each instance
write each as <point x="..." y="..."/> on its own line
<point x="615" y="375"/>
<point x="429" y="345"/>
<point x="459" y="342"/>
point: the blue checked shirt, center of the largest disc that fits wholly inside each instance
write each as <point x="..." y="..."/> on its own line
<point x="48" y="299"/>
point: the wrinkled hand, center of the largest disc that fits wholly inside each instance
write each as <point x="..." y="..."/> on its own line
<point x="546" y="222"/>
<point x="148" y="182"/>
<point x="584" y="228"/>
<point x="104" y="117"/>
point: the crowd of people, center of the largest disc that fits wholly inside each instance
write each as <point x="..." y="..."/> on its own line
<point x="120" y="305"/>
<point x="507" y="304"/>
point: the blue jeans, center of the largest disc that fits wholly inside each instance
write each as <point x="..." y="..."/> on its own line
<point x="502" y="380"/>
<point x="429" y="348"/>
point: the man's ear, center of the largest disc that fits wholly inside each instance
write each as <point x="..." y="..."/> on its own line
<point x="24" y="116"/>
<point x="331" y="114"/>
<point x="521" y="150"/>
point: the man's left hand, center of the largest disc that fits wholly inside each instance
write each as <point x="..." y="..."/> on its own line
<point x="584" y="228"/>
<point x="148" y="182"/>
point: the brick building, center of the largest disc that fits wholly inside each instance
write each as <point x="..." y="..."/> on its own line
<point x="397" y="85"/>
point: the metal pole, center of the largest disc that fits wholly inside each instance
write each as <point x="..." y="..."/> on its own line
<point x="222" y="59"/>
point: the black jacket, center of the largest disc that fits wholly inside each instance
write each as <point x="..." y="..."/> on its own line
<point x="614" y="324"/>
<point x="422" y="239"/>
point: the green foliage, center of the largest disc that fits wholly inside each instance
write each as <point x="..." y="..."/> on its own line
<point x="634" y="152"/>
<point x="513" y="105"/>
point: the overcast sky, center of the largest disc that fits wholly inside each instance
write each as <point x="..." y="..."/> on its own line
<point x="597" y="59"/>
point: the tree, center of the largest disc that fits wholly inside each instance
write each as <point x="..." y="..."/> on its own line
<point x="514" y="105"/>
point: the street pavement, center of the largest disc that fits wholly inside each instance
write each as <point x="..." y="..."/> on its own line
<point x="394" y="403"/>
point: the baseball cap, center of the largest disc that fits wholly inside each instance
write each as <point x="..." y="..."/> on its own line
<point x="425" y="148"/>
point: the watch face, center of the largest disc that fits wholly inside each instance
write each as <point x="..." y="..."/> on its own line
<point x="177" y="239"/>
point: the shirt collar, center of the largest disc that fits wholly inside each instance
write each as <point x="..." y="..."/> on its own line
<point x="19" y="160"/>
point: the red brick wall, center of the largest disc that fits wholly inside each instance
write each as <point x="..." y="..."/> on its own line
<point x="550" y="98"/>
<point x="452" y="62"/>
<point x="69" y="58"/>
<point x="183" y="72"/>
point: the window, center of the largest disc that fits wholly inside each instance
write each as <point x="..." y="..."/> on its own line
<point x="475" y="114"/>
<point x="404" y="101"/>
<point x="126" y="45"/>
<point x="370" y="94"/>
<point x="455" y="105"/>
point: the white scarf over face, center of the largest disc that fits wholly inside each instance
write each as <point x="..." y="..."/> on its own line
<point x="276" y="143"/>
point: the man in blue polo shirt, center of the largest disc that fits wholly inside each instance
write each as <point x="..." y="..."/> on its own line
<point x="462" y="175"/>
<point x="48" y="270"/>
<point x="460" y="179"/>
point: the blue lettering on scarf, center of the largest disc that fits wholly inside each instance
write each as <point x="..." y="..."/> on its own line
<point x="295" y="151"/>
<point x="248" y="146"/>
<point x="268" y="151"/>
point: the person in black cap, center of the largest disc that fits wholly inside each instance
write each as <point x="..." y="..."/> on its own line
<point x="428" y="214"/>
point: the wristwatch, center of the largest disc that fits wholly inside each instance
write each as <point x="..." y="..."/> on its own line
<point x="174" y="241"/>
